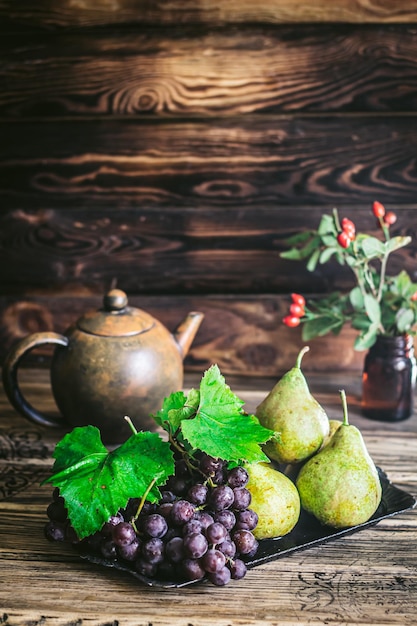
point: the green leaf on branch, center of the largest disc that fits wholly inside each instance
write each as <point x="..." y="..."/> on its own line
<point x="405" y="319"/>
<point x="96" y="483"/>
<point x="220" y="427"/>
<point x="367" y="339"/>
<point x="372" y="247"/>
<point x="372" y="308"/>
<point x="396" y="243"/>
<point x="321" y="325"/>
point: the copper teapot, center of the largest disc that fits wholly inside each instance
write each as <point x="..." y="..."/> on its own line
<point x="115" y="362"/>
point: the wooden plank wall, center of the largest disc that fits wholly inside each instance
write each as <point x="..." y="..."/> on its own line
<point x="172" y="147"/>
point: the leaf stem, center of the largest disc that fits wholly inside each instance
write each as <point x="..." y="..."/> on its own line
<point x="142" y="502"/>
<point x="131" y="424"/>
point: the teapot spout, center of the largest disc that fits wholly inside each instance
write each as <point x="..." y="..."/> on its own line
<point x="187" y="330"/>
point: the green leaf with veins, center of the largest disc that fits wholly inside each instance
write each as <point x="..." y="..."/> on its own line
<point x="96" y="483"/>
<point x="220" y="427"/>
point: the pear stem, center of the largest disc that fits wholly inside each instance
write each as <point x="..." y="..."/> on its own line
<point x="345" y="408"/>
<point x="300" y="356"/>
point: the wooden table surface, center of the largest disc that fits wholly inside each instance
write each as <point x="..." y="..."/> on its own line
<point x="369" y="577"/>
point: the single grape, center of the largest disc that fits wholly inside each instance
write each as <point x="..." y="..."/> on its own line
<point x="155" y="525"/>
<point x="245" y="541"/>
<point x="182" y="511"/>
<point x="174" y="549"/>
<point x="226" y="517"/>
<point x="209" y="465"/>
<point x="216" y="533"/>
<point x="123" y="534"/>
<point x="164" y="509"/>
<point x="192" y="569"/>
<point x="178" y="485"/>
<point x="54" y="531"/>
<point x="246" y="520"/>
<point x="238" y="477"/>
<point x="221" y="577"/>
<point x="166" y="570"/>
<point x="108" y="549"/>
<point x="145" y="568"/>
<point x="107" y="529"/>
<point x="56" y="511"/>
<point x="193" y="526"/>
<point x="197" y="494"/>
<point x="152" y="550"/>
<point x="167" y="496"/>
<point x="242" y="498"/>
<point x="221" y="497"/>
<point x="213" y="560"/>
<point x="129" y="552"/>
<point x="204" y="518"/>
<point x="238" y="569"/>
<point x="195" y="545"/>
<point x="228" y="548"/>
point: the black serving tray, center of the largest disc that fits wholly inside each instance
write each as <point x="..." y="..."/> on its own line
<point x="307" y="532"/>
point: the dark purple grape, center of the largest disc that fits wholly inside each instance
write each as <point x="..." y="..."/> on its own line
<point x="145" y="568"/>
<point x="245" y="541"/>
<point x="221" y="497"/>
<point x="70" y="535"/>
<point x="226" y="517"/>
<point x="195" y="545"/>
<point x="164" y="509"/>
<point x="246" y="520"/>
<point x="152" y="550"/>
<point x="238" y="477"/>
<point x="221" y="577"/>
<point x="123" y="534"/>
<point x="182" y="511"/>
<point x="209" y="465"/>
<point x="108" y="549"/>
<point x="193" y="526"/>
<point x="238" y="569"/>
<point x="155" y="525"/>
<point x="213" y="560"/>
<point x="167" y="496"/>
<point x="242" y="498"/>
<point x="56" y="511"/>
<point x="178" y="485"/>
<point x="167" y="570"/>
<point x="174" y="549"/>
<point x="181" y="468"/>
<point x="192" y="569"/>
<point x="252" y="552"/>
<point x="204" y="518"/>
<point x="216" y="533"/>
<point x="228" y="548"/>
<point x="129" y="552"/>
<point x="107" y="529"/>
<point x="197" y="494"/>
<point x="55" y="531"/>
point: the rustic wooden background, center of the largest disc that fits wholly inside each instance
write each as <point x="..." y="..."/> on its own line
<point x="172" y="147"/>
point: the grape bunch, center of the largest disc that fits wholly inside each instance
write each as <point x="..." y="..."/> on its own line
<point x="200" y="528"/>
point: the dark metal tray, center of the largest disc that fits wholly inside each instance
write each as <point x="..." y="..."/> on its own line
<point x="307" y="532"/>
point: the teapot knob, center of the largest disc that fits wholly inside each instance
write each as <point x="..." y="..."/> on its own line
<point x="115" y="300"/>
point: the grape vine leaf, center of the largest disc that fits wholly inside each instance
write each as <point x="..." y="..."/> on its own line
<point x="96" y="483"/>
<point x="220" y="427"/>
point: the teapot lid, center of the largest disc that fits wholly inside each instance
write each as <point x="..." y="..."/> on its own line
<point x="116" y="318"/>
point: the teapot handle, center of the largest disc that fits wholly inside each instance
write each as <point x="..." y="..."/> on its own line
<point x="10" y="381"/>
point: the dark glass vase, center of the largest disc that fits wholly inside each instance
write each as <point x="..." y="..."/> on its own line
<point x="388" y="380"/>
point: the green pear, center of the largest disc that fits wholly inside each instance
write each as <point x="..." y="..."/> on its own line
<point x="291" y="410"/>
<point x="340" y="485"/>
<point x="275" y="499"/>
